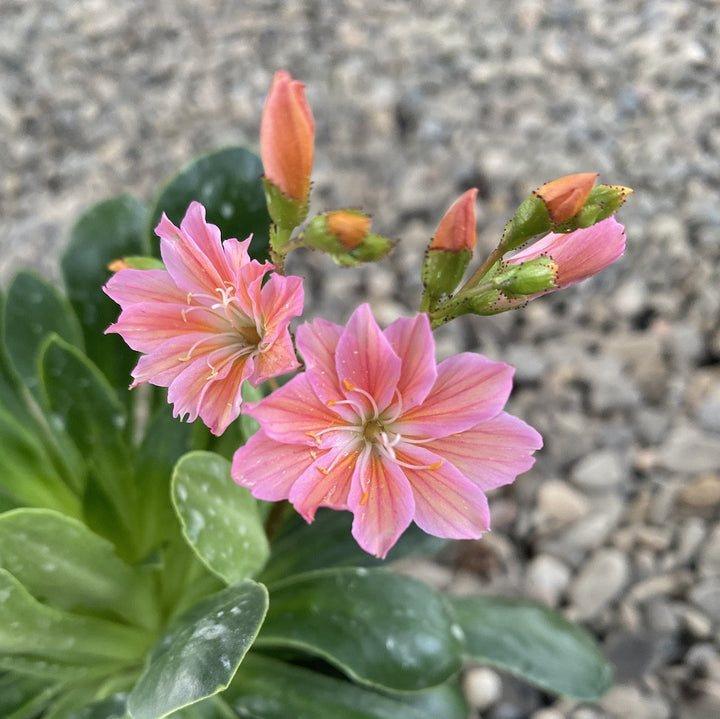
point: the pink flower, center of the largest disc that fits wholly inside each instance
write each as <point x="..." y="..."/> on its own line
<point x="208" y="322"/>
<point x="374" y="426"/>
<point x="578" y="254"/>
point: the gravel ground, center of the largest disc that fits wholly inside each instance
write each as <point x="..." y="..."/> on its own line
<point x="619" y="522"/>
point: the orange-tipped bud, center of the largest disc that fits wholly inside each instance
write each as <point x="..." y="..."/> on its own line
<point x="287" y="135"/>
<point x="457" y="230"/>
<point x="566" y="196"/>
<point x="348" y="228"/>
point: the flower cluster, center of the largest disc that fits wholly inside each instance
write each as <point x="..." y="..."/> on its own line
<point x="372" y="424"/>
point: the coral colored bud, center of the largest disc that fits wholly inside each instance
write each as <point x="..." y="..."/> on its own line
<point x="287" y="133"/>
<point x="457" y="230"/>
<point x="345" y="236"/>
<point x="565" y="197"/>
<point x="117" y="265"/>
<point x="136" y="262"/>
<point x="349" y="228"/>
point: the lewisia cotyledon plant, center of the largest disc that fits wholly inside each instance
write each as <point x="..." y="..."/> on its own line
<point x="374" y="426"/>
<point x="207" y="322"/>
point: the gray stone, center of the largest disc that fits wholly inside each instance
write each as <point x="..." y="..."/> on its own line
<point x="600" y="471"/>
<point x="599" y="582"/>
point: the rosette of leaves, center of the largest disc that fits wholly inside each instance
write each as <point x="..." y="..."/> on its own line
<point x="137" y="580"/>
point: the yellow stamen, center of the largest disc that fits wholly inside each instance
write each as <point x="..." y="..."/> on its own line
<point x="364" y="498"/>
<point x="437" y="465"/>
<point x="348" y="386"/>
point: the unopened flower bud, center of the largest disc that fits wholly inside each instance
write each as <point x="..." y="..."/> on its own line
<point x="287" y="134"/>
<point x="136" y="262"/>
<point x="565" y="197"/>
<point x="604" y="201"/>
<point x="527" y="278"/>
<point x="450" y="250"/>
<point x="345" y="236"/>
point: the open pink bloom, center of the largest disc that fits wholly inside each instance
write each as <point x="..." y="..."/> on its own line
<point x="208" y="322"/>
<point x="374" y="426"/>
<point x="578" y="254"/>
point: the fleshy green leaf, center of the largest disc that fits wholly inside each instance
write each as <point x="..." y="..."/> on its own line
<point x="31" y="631"/>
<point x="266" y="688"/>
<point x="85" y="406"/>
<point x="227" y="182"/>
<point x="378" y="627"/>
<point x="33" y="311"/>
<point x="327" y="542"/>
<point x="79" y="704"/>
<point x="219" y="519"/>
<point x="107" y="231"/>
<point x="62" y="563"/>
<point x="534" y="643"/>
<point x="199" y="655"/>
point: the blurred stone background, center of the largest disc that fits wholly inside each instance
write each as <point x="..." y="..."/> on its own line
<point x="619" y="522"/>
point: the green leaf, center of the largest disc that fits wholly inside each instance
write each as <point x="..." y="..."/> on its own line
<point x="85" y="406"/>
<point x="327" y="542"/>
<point x="27" y="473"/>
<point x="31" y="631"/>
<point x="34" y="310"/>
<point x="380" y="628"/>
<point x="107" y="231"/>
<point x="220" y="520"/>
<point x="201" y="652"/>
<point x="266" y="688"/>
<point x="227" y="182"/>
<point x="79" y="704"/>
<point x="23" y="697"/>
<point x="534" y="643"/>
<point x="62" y="563"/>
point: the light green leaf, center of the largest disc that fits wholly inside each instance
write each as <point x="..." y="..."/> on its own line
<point x="65" y="565"/>
<point x="380" y="628"/>
<point x="107" y="231"/>
<point x="534" y="643"/>
<point x="33" y="311"/>
<point x="27" y="473"/>
<point x="220" y="520"/>
<point x="266" y="688"/>
<point x="31" y="631"/>
<point x="227" y="183"/>
<point x="201" y="652"/>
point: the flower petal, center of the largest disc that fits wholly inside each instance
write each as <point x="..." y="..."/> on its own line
<point x="129" y="286"/>
<point x="447" y="504"/>
<point x="269" y="480"/>
<point x="293" y="413"/>
<point x="325" y="484"/>
<point x="469" y="389"/>
<point x="382" y="502"/>
<point x="492" y="453"/>
<point x="413" y="342"/>
<point x="365" y="359"/>
<point x="274" y="359"/>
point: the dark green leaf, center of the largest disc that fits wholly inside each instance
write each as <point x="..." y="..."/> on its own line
<point x="164" y="442"/>
<point x="33" y="311"/>
<point x="327" y="542"/>
<point x="219" y="519"/>
<point x="107" y="231"/>
<point x="23" y="697"/>
<point x="378" y="627"/>
<point x="227" y="183"/>
<point x="62" y="563"/>
<point x="79" y="704"/>
<point x="85" y="406"/>
<point x="534" y="643"/>
<point x="199" y="655"/>
<point x="266" y="688"/>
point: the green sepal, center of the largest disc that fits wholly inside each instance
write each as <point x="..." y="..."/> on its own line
<point x="442" y="272"/>
<point x="604" y="201"/>
<point x="530" y="219"/>
<point x="527" y="278"/>
<point x="372" y="248"/>
<point x="286" y="212"/>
